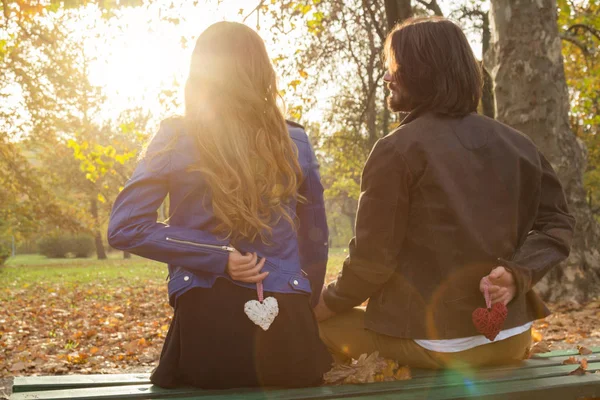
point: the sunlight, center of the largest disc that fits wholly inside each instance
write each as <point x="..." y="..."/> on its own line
<point x="142" y="57"/>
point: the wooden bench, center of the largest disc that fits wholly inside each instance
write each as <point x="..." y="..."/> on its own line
<point x="544" y="376"/>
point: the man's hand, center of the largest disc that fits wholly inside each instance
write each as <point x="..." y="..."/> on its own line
<point x="501" y="285"/>
<point x="243" y="267"/>
<point x="322" y="312"/>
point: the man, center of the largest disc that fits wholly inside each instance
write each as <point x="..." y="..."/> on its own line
<point x="451" y="203"/>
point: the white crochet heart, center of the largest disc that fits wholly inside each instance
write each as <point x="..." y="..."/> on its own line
<point x="262" y="314"/>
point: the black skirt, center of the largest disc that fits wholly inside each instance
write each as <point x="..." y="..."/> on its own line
<point x="212" y="344"/>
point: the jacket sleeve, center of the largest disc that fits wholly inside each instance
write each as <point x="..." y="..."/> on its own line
<point x="549" y="241"/>
<point x="381" y="222"/>
<point x="133" y="225"/>
<point x="313" y="232"/>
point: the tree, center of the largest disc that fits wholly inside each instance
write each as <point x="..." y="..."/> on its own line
<point x="27" y="204"/>
<point x="475" y="14"/>
<point x="531" y="96"/>
<point x="41" y="55"/>
<point x="357" y="115"/>
<point x="579" y="27"/>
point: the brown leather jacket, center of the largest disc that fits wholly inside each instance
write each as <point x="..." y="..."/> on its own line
<point x="444" y="201"/>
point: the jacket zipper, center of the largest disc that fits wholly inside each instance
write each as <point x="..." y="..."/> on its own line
<point x="206" y="246"/>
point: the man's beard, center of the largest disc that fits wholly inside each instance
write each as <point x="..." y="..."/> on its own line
<point x="398" y="102"/>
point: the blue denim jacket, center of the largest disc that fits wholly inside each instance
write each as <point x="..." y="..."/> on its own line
<point x="296" y="258"/>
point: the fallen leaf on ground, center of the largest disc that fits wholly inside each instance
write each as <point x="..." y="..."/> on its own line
<point x="584" y="351"/>
<point x="571" y="360"/>
<point x="539" y="347"/>
<point x="367" y="369"/>
<point x="18" y="366"/>
<point x="578" y="371"/>
<point x="536" y="335"/>
<point x="403" y="374"/>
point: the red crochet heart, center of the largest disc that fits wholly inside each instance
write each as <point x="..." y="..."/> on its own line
<point x="489" y="322"/>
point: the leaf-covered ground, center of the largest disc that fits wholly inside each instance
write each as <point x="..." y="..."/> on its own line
<point x="89" y="316"/>
<point x="86" y="318"/>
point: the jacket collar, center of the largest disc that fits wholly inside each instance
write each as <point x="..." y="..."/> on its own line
<point x="421" y="111"/>
<point x="414" y="114"/>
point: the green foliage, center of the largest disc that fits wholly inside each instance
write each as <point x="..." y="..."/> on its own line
<point x="27" y="203"/>
<point x="4" y="253"/>
<point x="340" y="50"/>
<point x="55" y="246"/>
<point x="61" y="246"/>
<point x="81" y="246"/>
<point x="580" y="31"/>
<point x="72" y="159"/>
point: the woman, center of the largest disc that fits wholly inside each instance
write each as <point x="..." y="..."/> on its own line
<point x="246" y="215"/>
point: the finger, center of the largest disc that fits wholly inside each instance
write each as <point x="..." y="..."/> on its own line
<point x="492" y="290"/>
<point x="238" y="258"/>
<point x="500" y="292"/>
<point x="250" y="272"/>
<point x="499" y="297"/>
<point x="497" y="273"/>
<point x="249" y="263"/>
<point x="504" y="299"/>
<point x="482" y="284"/>
<point x="255" y="278"/>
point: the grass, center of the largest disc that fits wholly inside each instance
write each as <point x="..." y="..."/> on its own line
<point x="29" y="269"/>
<point x="38" y="259"/>
<point x="334" y="263"/>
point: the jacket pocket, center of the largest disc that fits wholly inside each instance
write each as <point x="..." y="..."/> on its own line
<point x="179" y="284"/>
<point x="300" y="284"/>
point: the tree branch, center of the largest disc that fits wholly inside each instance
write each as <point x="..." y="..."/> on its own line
<point x="351" y="50"/>
<point x="6" y="11"/>
<point x="255" y="9"/>
<point x="371" y="93"/>
<point x="380" y="33"/>
<point x="576" y="42"/>
<point x="433" y="6"/>
<point x="588" y="28"/>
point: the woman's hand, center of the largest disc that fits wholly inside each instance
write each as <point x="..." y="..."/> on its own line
<point x="243" y="267"/>
<point x="501" y="285"/>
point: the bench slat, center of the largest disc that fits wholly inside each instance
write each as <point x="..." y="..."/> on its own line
<point x="41" y="383"/>
<point x="551" y="388"/>
<point x="563" y="353"/>
<point x="454" y="386"/>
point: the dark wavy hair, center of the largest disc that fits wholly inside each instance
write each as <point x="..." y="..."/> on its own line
<point x="432" y="61"/>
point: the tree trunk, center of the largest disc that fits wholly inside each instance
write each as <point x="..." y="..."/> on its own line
<point x="531" y="96"/>
<point x="487" y="99"/>
<point x="100" y="252"/>
<point x="397" y="11"/>
<point x="372" y="111"/>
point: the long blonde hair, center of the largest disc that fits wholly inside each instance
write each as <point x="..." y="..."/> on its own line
<point x="246" y="154"/>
